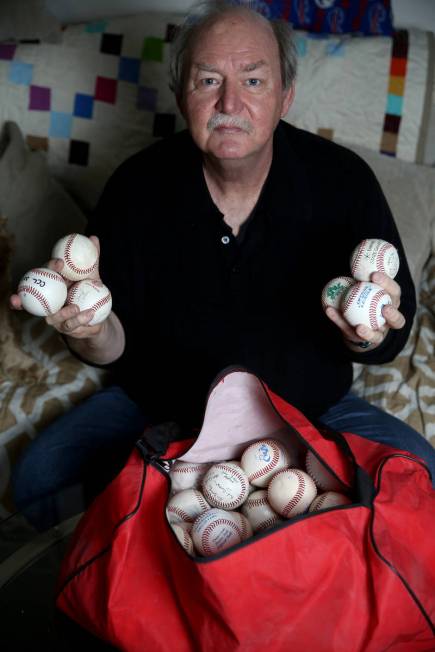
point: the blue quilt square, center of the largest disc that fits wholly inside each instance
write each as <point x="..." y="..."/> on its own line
<point x="394" y="104"/>
<point x="60" y="125"/>
<point x="20" y="73"/>
<point x="129" y="69"/>
<point x="146" y="98"/>
<point x="83" y="105"/>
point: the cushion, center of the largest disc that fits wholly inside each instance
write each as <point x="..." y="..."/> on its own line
<point x="334" y="16"/>
<point x="374" y="92"/>
<point x="103" y="94"/>
<point x="37" y="209"/>
<point x="410" y="192"/>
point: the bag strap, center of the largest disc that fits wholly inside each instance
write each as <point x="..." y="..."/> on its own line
<point x="155" y="439"/>
<point x="364" y="483"/>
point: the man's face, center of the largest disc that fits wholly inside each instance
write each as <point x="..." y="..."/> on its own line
<point x="233" y="96"/>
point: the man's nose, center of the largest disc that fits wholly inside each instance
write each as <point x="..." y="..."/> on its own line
<point x="229" y="101"/>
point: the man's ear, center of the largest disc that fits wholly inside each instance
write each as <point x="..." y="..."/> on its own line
<point x="287" y="99"/>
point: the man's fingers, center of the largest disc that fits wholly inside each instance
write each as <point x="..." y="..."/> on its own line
<point x="336" y="317"/>
<point x="393" y="317"/>
<point x="389" y="285"/>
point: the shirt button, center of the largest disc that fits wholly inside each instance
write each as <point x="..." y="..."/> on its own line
<point x="225" y="239"/>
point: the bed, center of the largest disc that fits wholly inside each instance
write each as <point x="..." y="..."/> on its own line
<point x="76" y="102"/>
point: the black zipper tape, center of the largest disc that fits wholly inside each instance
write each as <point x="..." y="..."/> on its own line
<point x="381" y="556"/>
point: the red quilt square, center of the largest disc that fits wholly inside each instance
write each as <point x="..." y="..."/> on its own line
<point x="105" y="89"/>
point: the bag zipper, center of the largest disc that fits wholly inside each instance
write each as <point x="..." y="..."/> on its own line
<point x="375" y="546"/>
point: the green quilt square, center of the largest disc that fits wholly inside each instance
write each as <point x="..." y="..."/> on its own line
<point x="152" y="49"/>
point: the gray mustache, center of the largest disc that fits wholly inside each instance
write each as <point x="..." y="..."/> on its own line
<point x="223" y="120"/>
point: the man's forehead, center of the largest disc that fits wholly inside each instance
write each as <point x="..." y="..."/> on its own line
<point x="245" y="65"/>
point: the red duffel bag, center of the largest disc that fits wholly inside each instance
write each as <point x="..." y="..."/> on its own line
<point x="358" y="577"/>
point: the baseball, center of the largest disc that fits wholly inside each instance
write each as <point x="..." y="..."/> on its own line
<point x="187" y="475"/>
<point x="320" y="474"/>
<point x="363" y="303"/>
<point x="42" y="291"/>
<point x="245" y="525"/>
<point x="258" y="511"/>
<point x="183" y="537"/>
<point x="328" y="499"/>
<point x="374" y="255"/>
<point x="87" y="295"/>
<point x="262" y="459"/>
<point x="225" y="486"/>
<point x="333" y="291"/>
<point x="79" y="255"/>
<point x="187" y="505"/>
<point x="291" y="492"/>
<point x="216" y="530"/>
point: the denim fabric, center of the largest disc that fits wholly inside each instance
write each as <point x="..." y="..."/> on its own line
<point x="76" y="456"/>
<point x="353" y="414"/>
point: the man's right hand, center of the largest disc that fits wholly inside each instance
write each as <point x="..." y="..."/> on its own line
<point x="69" y="320"/>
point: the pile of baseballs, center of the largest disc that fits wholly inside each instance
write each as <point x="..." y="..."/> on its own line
<point x="358" y="299"/>
<point x="214" y="506"/>
<point x="43" y="291"/>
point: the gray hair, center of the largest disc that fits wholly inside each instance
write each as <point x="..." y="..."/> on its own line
<point x="201" y="12"/>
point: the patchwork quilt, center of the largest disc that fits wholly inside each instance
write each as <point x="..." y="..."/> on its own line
<point x="102" y="93"/>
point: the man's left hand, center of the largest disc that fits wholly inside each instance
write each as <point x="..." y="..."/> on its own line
<point x="356" y="337"/>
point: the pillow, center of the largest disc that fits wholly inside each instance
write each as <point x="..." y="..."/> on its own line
<point x="410" y="192"/>
<point x="24" y="20"/>
<point x="373" y="92"/>
<point x="334" y="16"/>
<point x="37" y="209"/>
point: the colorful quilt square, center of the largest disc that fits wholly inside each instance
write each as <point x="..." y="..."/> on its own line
<point x="60" y="125"/>
<point x="83" y="105"/>
<point x="392" y="123"/>
<point x="164" y="124"/>
<point x="7" y="51"/>
<point x="111" y="43"/>
<point x="400" y="44"/>
<point x="336" y="49"/>
<point x="301" y="45"/>
<point x="389" y="144"/>
<point x="105" y="89"/>
<point x="78" y="152"/>
<point x="20" y="73"/>
<point x="96" y="26"/>
<point x="146" y="98"/>
<point x="39" y="98"/>
<point x="398" y="67"/>
<point x="396" y="85"/>
<point x="171" y="30"/>
<point x="152" y="49"/>
<point x="129" y="69"/>
<point x="394" y="104"/>
<point x="37" y="143"/>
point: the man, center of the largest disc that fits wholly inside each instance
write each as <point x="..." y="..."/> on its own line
<point x="216" y="244"/>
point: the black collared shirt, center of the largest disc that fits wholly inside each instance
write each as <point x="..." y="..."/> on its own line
<point x="194" y="299"/>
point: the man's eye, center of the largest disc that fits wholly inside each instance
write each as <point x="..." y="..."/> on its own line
<point x="208" y="81"/>
<point x="253" y="81"/>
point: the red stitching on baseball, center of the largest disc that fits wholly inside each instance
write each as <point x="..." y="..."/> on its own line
<point x="211" y="526"/>
<point x="350" y="296"/>
<point x="188" y="469"/>
<point x="358" y="256"/>
<point x="377" y="298"/>
<point x="256" y="502"/>
<point x="268" y="522"/>
<point x="216" y="502"/>
<point x="67" y="256"/>
<point x="380" y="257"/>
<point x="268" y="467"/>
<point x="320" y="500"/>
<point x="298" y="495"/>
<point x="180" y="512"/>
<point x="46" y="272"/>
<point x="40" y="297"/>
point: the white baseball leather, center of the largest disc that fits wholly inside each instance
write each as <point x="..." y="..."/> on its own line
<point x="42" y="291"/>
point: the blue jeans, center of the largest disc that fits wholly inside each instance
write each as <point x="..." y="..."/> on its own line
<point x="76" y="456"/>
